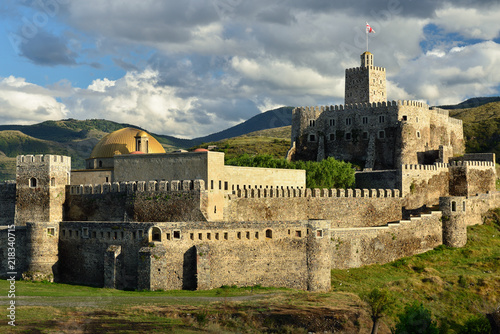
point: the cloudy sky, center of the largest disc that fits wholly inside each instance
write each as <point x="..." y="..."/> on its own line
<point x="193" y="67"/>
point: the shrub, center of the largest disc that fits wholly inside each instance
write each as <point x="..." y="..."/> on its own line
<point x="416" y="319"/>
<point x="328" y="173"/>
<point x="476" y="325"/>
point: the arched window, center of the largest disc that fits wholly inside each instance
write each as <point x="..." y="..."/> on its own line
<point x="33" y="182"/>
<point x="100" y="163"/>
<point x="52" y="181"/>
<point x="269" y="233"/>
<point x="156" y="234"/>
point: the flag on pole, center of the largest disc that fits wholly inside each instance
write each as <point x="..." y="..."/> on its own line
<point x="369" y="29"/>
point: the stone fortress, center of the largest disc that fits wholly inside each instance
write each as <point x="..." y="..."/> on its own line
<point x="139" y="218"/>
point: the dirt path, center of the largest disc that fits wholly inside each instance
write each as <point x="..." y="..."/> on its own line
<point x="123" y="300"/>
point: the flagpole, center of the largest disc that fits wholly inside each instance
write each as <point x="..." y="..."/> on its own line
<point x="366" y="31"/>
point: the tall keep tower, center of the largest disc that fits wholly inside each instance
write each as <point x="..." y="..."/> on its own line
<point x="365" y="84"/>
<point x="40" y="188"/>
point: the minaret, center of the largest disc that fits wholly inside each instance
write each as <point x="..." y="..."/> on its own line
<point x="365" y="83"/>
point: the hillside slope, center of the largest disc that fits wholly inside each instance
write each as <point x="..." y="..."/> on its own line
<point x="472" y="103"/>
<point x="275" y="142"/>
<point x="267" y="120"/>
<point x="481" y="128"/>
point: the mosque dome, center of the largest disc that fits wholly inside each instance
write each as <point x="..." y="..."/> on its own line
<point x="123" y="141"/>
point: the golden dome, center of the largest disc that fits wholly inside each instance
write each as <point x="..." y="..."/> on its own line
<point x="141" y="134"/>
<point x="123" y="142"/>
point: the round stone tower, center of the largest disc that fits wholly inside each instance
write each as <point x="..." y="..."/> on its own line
<point x="318" y="256"/>
<point x="454" y="210"/>
<point x="41" y="250"/>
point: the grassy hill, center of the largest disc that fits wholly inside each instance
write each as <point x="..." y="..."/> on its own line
<point x="481" y="127"/>
<point x="266" y="133"/>
<point x="275" y="142"/>
<point x="472" y="103"/>
<point x="455" y="284"/>
<point x="66" y="137"/>
<point x="267" y="120"/>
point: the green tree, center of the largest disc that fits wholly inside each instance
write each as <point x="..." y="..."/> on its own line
<point x="328" y="173"/>
<point x="476" y="325"/>
<point x="380" y="303"/>
<point x="416" y="319"/>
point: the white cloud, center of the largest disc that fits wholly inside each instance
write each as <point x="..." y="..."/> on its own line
<point x="470" y="22"/>
<point x="25" y="103"/>
<point x="100" y="85"/>
<point x="460" y="73"/>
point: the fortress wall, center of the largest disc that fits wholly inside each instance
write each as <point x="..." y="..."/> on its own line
<point x="196" y="255"/>
<point x="82" y="249"/>
<point x="136" y="201"/>
<point x="415" y="134"/>
<point x="19" y="239"/>
<point x="7" y="203"/>
<point x="446" y="131"/>
<point x="245" y="254"/>
<point x="355" y="247"/>
<point x="478" y="205"/>
<point x="424" y="184"/>
<point x="252" y="177"/>
<point x="377" y="179"/>
<point x="345" y="208"/>
<point x="91" y="176"/>
<point x="490" y="157"/>
<point x="174" y="166"/>
<point x="472" y="177"/>
<point x="42" y="202"/>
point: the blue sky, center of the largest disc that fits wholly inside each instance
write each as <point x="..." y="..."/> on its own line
<point x="194" y="67"/>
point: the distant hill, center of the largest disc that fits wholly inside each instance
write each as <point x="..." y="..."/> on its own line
<point x="266" y="133"/>
<point x="472" y="103"/>
<point x="481" y="128"/>
<point x="275" y="142"/>
<point x="270" y="119"/>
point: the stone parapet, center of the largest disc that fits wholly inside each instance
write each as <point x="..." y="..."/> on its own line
<point x="293" y="193"/>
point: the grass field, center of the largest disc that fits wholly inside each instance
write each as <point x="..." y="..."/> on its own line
<point x="454" y="283"/>
<point x="275" y="142"/>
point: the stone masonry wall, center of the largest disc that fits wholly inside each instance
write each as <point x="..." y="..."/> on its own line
<point x="136" y="201"/>
<point x="424" y="184"/>
<point x="357" y="247"/>
<point x="345" y="208"/>
<point x="83" y="247"/>
<point x="40" y="187"/>
<point x="195" y="255"/>
<point x="7" y="203"/>
<point x="17" y="235"/>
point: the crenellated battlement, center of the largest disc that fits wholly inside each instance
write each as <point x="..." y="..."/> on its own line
<point x="363" y="69"/>
<point x="362" y="106"/>
<point x="435" y="167"/>
<point x="472" y="164"/>
<point x="327" y="193"/>
<point x="50" y="159"/>
<point x="136" y="186"/>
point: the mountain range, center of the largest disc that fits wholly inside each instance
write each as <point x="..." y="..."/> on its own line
<point x="76" y="138"/>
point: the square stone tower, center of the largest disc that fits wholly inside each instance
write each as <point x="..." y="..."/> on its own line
<point x="365" y="84"/>
<point x="40" y="187"/>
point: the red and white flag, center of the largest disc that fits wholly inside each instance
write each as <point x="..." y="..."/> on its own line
<point x="369" y="29"/>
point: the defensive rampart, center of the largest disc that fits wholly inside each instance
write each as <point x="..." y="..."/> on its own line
<point x="7" y="203"/>
<point x="136" y="201"/>
<point x="355" y="247"/>
<point x="13" y="237"/>
<point x="344" y="207"/>
<point x="424" y="184"/>
<point x="196" y="255"/>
